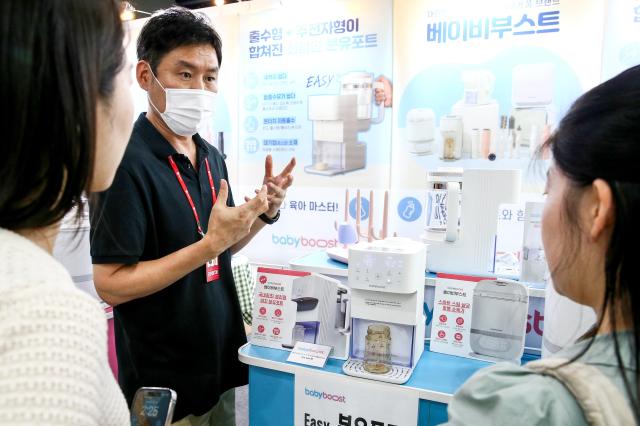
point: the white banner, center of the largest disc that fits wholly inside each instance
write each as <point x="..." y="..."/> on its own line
<point x="324" y="400"/>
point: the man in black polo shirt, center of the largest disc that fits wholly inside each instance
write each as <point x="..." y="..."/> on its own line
<point x="163" y="234"/>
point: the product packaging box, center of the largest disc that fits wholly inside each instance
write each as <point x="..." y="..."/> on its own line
<point x="291" y="306"/>
<point x="480" y="318"/>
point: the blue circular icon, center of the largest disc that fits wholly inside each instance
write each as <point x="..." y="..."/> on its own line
<point x="251" y="145"/>
<point x="364" y="208"/>
<point x="251" y="124"/>
<point x="409" y="209"/>
<point x="250" y="102"/>
<point x="251" y="80"/>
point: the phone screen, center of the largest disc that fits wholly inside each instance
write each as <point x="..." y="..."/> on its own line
<point x="151" y="407"/>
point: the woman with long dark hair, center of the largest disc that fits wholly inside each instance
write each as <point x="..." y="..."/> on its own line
<point x="66" y="119"/>
<point x="590" y="231"/>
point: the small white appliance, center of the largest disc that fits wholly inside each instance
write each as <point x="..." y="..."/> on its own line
<point x="335" y="135"/>
<point x="532" y="85"/>
<point x="499" y="319"/>
<point x="478" y="110"/>
<point x="532" y="99"/>
<point x="470" y="247"/>
<point x="337" y="119"/>
<point x="386" y="278"/>
<point x="420" y="130"/>
<point x="322" y="313"/>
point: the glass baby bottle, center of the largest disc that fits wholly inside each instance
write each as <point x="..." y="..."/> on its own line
<point x="377" y="350"/>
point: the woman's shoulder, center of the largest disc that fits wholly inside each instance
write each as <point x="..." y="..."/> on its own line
<point x="25" y="266"/>
<point x="39" y="301"/>
<point x="55" y="339"/>
<point x="55" y="305"/>
<point x="503" y="393"/>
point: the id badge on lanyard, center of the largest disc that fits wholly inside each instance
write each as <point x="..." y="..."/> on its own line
<point x="212" y="268"/>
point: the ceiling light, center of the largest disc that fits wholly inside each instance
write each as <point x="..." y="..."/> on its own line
<point x="128" y="12"/>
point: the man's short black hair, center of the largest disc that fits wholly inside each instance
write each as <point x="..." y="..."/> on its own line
<point x="173" y="28"/>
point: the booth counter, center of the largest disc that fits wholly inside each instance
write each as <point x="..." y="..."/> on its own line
<point x="435" y="379"/>
<point x="271" y="383"/>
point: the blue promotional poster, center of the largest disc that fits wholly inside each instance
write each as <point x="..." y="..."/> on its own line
<point x="315" y="83"/>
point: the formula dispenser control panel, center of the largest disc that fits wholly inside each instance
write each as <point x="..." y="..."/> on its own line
<point x="386" y="265"/>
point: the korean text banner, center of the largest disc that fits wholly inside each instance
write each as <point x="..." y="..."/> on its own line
<point x="481" y="85"/>
<point x="315" y="83"/>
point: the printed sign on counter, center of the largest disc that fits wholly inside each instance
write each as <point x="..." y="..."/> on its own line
<point x="481" y="318"/>
<point x="451" y="324"/>
<point x="274" y="314"/>
<point x="309" y="354"/>
<point x="321" y="399"/>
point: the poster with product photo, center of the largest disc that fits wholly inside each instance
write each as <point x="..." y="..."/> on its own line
<point x="481" y="85"/>
<point x="308" y="79"/>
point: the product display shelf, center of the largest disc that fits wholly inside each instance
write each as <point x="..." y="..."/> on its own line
<point x="320" y="263"/>
<point x="271" y="383"/>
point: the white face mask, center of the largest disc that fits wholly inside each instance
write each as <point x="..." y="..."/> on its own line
<point x="186" y="110"/>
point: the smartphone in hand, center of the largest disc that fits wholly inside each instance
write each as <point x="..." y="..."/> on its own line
<point x="153" y="407"/>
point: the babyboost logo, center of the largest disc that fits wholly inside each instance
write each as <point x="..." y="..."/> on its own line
<point x="323" y="395"/>
<point x="302" y="241"/>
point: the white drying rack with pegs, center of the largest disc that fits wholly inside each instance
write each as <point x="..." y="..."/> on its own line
<point x="341" y="253"/>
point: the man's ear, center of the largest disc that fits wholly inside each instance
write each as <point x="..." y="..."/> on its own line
<point x="143" y="75"/>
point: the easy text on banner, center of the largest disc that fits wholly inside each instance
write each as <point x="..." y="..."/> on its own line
<point x="321" y="400"/>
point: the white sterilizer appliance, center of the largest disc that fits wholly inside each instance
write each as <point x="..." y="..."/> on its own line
<point x="322" y="313"/>
<point x="499" y="319"/>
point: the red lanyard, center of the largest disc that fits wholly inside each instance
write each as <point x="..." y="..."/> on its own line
<point x="174" y="166"/>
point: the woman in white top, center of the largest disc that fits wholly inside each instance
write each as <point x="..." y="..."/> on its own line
<point x="66" y="119"/>
<point x="590" y="232"/>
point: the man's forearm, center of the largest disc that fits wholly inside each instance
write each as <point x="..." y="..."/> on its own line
<point x="117" y="284"/>
<point x="255" y="228"/>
